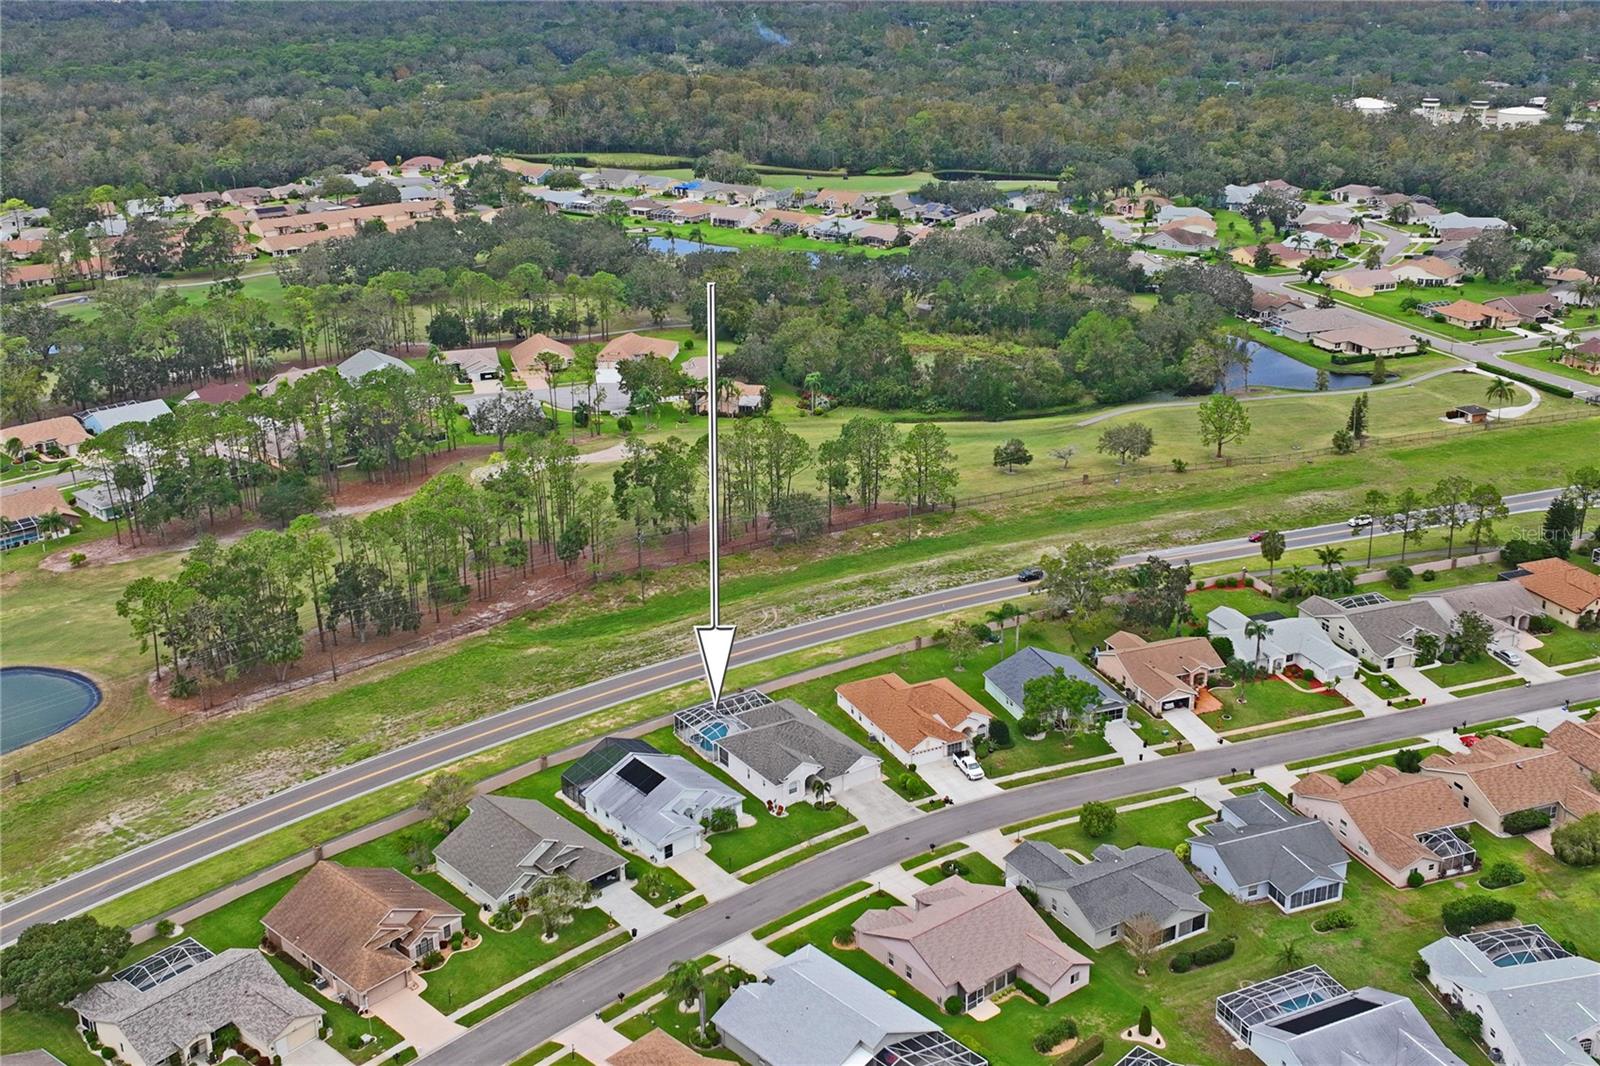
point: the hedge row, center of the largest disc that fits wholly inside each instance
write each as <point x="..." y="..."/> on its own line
<point x="1554" y="390"/>
<point x="1216" y="951"/>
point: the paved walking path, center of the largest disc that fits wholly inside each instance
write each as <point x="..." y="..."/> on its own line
<point x="1277" y="776"/>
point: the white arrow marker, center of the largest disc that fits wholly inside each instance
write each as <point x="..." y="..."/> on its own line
<point x="716" y="640"/>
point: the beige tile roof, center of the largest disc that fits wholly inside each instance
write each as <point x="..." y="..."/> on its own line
<point x="968" y="933"/>
<point x="1155" y="667"/>
<point x="909" y="714"/>
<point x="34" y="501"/>
<point x="343" y="917"/>
<point x="1513" y="777"/>
<point x="65" y="431"/>
<point x="1468" y="311"/>
<point x="1432" y="264"/>
<point x="660" y="1048"/>
<point x="1561" y="583"/>
<point x="1391" y="808"/>
<point x="633" y="345"/>
<point x="1580" y="741"/>
<point x="525" y="352"/>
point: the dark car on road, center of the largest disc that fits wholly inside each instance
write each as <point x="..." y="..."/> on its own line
<point x="1031" y="573"/>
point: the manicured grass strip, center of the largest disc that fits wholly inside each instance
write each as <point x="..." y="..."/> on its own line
<point x="1383" y="686"/>
<point x="979" y="870"/>
<point x="1493" y="686"/>
<point x="1290" y="727"/>
<point x="1056" y="816"/>
<point x="638" y="996"/>
<point x="1371" y="749"/>
<point x="1574" y="671"/>
<point x="764" y="931"/>
<point x="1065" y="771"/>
<point x="693" y="903"/>
<point x="1449" y="675"/>
<point x="551" y="975"/>
<point x="750" y="877"/>
<point x="538" y="1054"/>
<point x="937" y="853"/>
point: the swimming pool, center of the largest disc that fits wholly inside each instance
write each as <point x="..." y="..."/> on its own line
<point x="39" y="701"/>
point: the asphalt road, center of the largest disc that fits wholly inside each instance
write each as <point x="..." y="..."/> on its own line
<point x="530" y="1022"/>
<point x="113" y="878"/>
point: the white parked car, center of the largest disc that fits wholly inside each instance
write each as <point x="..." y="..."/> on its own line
<point x="1360" y="521"/>
<point x="968" y="766"/>
<point x="1509" y="656"/>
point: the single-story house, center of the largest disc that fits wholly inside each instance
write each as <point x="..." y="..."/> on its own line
<point x="473" y="364"/>
<point x="1306" y="1018"/>
<point x="1263" y="301"/>
<point x="169" y="1007"/>
<point x="1355" y="194"/>
<point x="812" y="1010"/>
<point x="1565" y="592"/>
<point x="1259" y="849"/>
<point x="1180" y="238"/>
<point x="1372" y="338"/>
<point x="525" y="353"/>
<point x="593" y="764"/>
<point x="1539" y="1003"/>
<point x="108" y="503"/>
<point x="367" y="361"/>
<point x="1166" y="675"/>
<point x="507" y="846"/>
<point x="1302" y="323"/>
<point x="1579" y="741"/>
<point x="779" y="751"/>
<point x="1585" y="356"/>
<point x="22" y="508"/>
<point x="659" y="1048"/>
<point x="1138" y="206"/>
<point x="1534" y="308"/>
<point x="1392" y="822"/>
<point x="361" y="929"/>
<point x="1505" y="603"/>
<point x="1383" y="631"/>
<point x="1323" y="215"/>
<point x="840" y="201"/>
<point x="220" y="392"/>
<point x="1337" y="232"/>
<point x="654" y="803"/>
<point x="101" y="419"/>
<point x="52" y="436"/>
<point x="1472" y="413"/>
<point x="1006" y="680"/>
<point x="1428" y="271"/>
<point x="1470" y="315"/>
<point x="1452" y="220"/>
<point x="1498" y="777"/>
<point x="1289" y="642"/>
<point x="421" y="164"/>
<point x="878" y="234"/>
<point x="970" y="941"/>
<point x="634" y="346"/>
<point x="1282" y="255"/>
<point x="918" y="723"/>
<point x="1096" y="899"/>
<point x="1362" y="282"/>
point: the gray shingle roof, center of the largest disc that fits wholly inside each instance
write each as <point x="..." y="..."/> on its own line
<point x="1274" y="845"/>
<point x="814" y="1011"/>
<point x="1011" y="674"/>
<point x="238" y="986"/>
<point x="677" y="802"/>
<point x="504" y="839"/>
<point x="1117" y="885"/>
<point x="1386" y="627"/>
<point x="366" y="361"/>
<point x="781" y="736"/>
<point x="1391" y="1032"/>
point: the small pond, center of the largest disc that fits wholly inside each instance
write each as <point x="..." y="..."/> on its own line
<point x="37" y="702"/>
<point x="1268" y="366"/>
<point x="684" y="246"/>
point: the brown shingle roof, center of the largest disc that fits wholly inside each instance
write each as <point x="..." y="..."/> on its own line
<point x="34" y="501"/>
<point x="1156" y="667"/>
<point x="909" y="714"/>
<point x="1580" y="741"/>
<point x="344" y="918"/>
<point x="968" y="933"/>
<point x="1391" y="808"/>
<point x="633" y="345"/>
<point x="660" y="1048"/>
<point x="1558" y="581"/>
<point x="65" y="431"/>
<point x="524" y="354"/>
<point x="1513" y="777"/>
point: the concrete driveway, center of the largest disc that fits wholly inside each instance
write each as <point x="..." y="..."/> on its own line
<point x="948" y="781"/>
<point x="876" y="805"/>
<point x="315" y="1053"/>
<point x="419" y="1021"/>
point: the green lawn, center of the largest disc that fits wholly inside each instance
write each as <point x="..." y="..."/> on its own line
<point x="54" y="1031"/>
<point x="1567" y="645"/>
<point x="1383" y="686"/>
<point x="1259" y="702"/>
<point x="1161" y="826"/>
<point x="1448" y="675"/>
<point x="1233" y="230"/>
<point x="739" y="238"/>
<point x="1547" y="360"/>
<point x="1246" y="601"/>
<point x="1387" y="305"/>
<point x="978" y="870"/>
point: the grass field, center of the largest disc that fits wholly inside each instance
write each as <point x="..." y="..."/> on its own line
<point x="1567" y="645"/>
<point x="738" y="238"/>
<point x="1447" y="675"/>
<point x="1542" y="360"/>
<point x="1259" y="702"/>
<point x="89" y="812"/>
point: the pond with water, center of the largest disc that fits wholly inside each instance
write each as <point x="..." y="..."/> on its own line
<point x="37" y="702"/>
<point x="684" y="246"/>
<point x="1268" y="366"/>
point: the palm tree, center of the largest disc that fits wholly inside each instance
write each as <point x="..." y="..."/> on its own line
<point x="1296" y="578"/>
<point x="1257" y="630"/>
<point x="686" y="983"/>
<point x="1330" y="557"/>
<point x="651" y="883"/>
<point x="1500" y="393"/>
<point x="820" y="787"/>
<point x="1289" y="956"/>
<point x="50" y="524"/>
<point x="13" y="448"/>
<point x="813" y="384"/>
<point x="1003" y="614"/>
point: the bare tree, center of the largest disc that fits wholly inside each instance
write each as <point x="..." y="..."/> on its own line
<point x="1141" y="935"/>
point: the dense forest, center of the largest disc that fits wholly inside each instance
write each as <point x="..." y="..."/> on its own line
<point x="182" y="96"/>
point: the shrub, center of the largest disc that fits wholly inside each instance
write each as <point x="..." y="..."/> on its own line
<point x="954" y="1005"/>
<point x="1028" y="894"/>
<point x="1399" y="576"/>
<point x="1339" y="919"/>
<point x="353" y="1041"/>
<point x="1179" y="466"/>
<point x="1057" y="1031"/>
<point x="1519" y="550"/>
<point x="1578" y="843"/>
<point x="846" y="936"/>
<point x="721" y="820"/>
<point x="164" y="928"/>
<point x="1181" y="850"/>
<point x="1414" y="879"/>
<point x="1144" y="1020"/>
<point x="1541" y="623"/>
<point x="1032" y="993"/>
<point x="1429" y="575"/>
<point x="1182" y="962"/>
<point x="1346" y="774"/>
<point x="1526" y="821"/>
<point x="624" y="424"/>
<point x="1223" y="647"/>
<point x="456" y="940"/>
<point x="1470" y="1024"/>
<point x="1098" y="819"/>
<point x="77" y="560"/>
<point x="1214" y="952"/>
<point x="108" y="1053"/>
<point x="999" y="734"/>
<point x="1502" y="874"/>
<point x="1419" y="969"/>
<point x="1465" y="912"/>
<point x="1089" y="1049"/>
<point x="1408" y="760"/>
<point x="953" y="868"/>
<point x="1030" y="725"/>
<point x="433" y="960"/>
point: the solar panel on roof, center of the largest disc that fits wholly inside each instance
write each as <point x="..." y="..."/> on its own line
<point x="641" y="776"/>
<point x="1312" y="1020"/>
